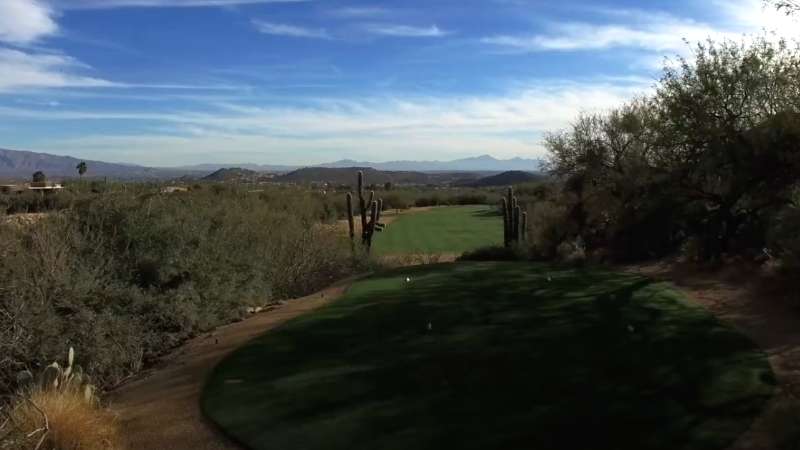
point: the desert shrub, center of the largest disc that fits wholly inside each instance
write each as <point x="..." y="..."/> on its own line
<point x="58" y="411"/>
<point x="128" y="275"/>
<point x="549" y="226"/>
<point x="784" y="240"/>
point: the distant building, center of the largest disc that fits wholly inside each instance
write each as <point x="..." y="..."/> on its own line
<point x="173" y="189"/>
<point x="45" y="186"/>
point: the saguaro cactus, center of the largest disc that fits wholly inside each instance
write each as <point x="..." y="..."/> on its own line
<point x="350" y="221"/>
<point x="515" y="221"/>
<point x="524" y="225"/>
<point x="362" y="204"/>
<point x="506" y="234"/>
<point x="368" y="224"/>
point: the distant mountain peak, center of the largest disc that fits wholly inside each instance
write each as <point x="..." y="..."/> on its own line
<point x="476" y="163"/>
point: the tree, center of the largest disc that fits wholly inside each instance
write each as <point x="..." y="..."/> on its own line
<point x="387" y="186"/>
<point x="714" y="154"/>
<point x="39" y="177"/>
<point x="728" y="119"/>
<point x="81" y="168"/>
<point x="787" y="6"/>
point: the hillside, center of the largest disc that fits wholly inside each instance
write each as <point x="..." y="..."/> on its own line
<point x="235" y="174"/>
<point x="505" y="179"/>
<point x="20" y="165"/>
<point x="346" y="176"/>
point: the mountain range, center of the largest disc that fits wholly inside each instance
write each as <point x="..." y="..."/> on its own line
<point x="18" y="165"/>
<point x="483" y="163"/>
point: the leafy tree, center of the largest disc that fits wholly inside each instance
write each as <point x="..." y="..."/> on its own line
<point x="787" y="6"/>
<point x="39" y="177"/>
<point x="727" y="122"/>
<point x="714" y="154"/>
<point x="387" y="186"/>
<point x="81" y="168"/>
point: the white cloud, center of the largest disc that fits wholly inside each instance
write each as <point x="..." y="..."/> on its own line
<point x="19" y="69"/>
<point x="359" y="11"/>
<point x="281" y="29"/>
<point x="405" y="30"/>
<point x="109" y="4"/>
<point x="25" y="21"/>
<point x="661" y="33"/>
<point x="506" y="125"/>
<point x="656" y="32"/>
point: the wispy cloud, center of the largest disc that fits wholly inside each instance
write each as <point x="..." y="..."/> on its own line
<point x="19" y="69"/>
<point x="405" y="30"/>
<point x="110" y="4"/>
<point x="359" y="11"/>
<point x="25" y="21"/>
<point x="660" y="33"/>
<point x="509" y="124"/>
<point x="282" y="29"/>
<point x="656" y="32"/>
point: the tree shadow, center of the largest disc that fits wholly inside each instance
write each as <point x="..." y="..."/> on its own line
<point x="495" y="355"/>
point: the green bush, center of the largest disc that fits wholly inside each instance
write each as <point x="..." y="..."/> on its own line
<point x="127" y="275"/>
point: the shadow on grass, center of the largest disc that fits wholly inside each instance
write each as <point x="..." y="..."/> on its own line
<point x="490" y="212"/>
<point x="494" y="356"/>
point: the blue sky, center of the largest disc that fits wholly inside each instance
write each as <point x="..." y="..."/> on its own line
<point x="172" y="82"/>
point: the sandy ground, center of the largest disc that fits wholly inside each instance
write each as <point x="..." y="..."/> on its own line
<point x="161" y="410"/>
<point x="764" y="309"/>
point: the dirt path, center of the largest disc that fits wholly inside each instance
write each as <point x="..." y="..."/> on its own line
<point x="763" y="309"/>
<point x="161" y="411"/>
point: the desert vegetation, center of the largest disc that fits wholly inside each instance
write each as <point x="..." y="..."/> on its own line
<point x="708" y="164"/>
<point x="125" y="275"/>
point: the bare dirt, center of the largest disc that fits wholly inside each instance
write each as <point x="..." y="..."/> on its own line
<point x="764" y="308"/>
<point x="161" y="410"/>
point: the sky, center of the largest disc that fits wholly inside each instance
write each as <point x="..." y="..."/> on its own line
<point x="178" y="82"/>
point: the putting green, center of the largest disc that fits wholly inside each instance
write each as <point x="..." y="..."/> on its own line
<point x="494" y="356"/>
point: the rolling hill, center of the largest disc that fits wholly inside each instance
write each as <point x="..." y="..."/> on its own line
<point x="235" y="174"/>
<point x="505" y="179"/>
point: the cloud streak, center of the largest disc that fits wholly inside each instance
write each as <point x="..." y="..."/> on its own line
<point x="655" y="32"/>
<point x="281" y="29"/>
<point x="508" y="124"/>
<point x="19" y="69"/>
<point x="395" y="30"/>
<point x="111" y="4"/>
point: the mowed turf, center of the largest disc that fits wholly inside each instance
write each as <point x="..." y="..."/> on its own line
<point x="450" y="229"/>
<point x="494" y="356"/>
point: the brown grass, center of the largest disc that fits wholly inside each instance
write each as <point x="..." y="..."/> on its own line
<point x="60" y="419"/>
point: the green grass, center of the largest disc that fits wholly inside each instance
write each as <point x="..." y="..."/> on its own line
<point x="452" y="229"/>
<point x="519" y="356"/>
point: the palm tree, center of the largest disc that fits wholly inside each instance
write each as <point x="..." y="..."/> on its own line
<point x="82" y="168"/>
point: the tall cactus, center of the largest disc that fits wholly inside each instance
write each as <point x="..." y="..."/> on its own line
<point x="515" y="221"/>
<point x="362" y="204"/>
<point x="368" y="224"/>
<point x="506" y="234"/>
<point x="350" y="221"/>
<point x="524" y="225"/>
